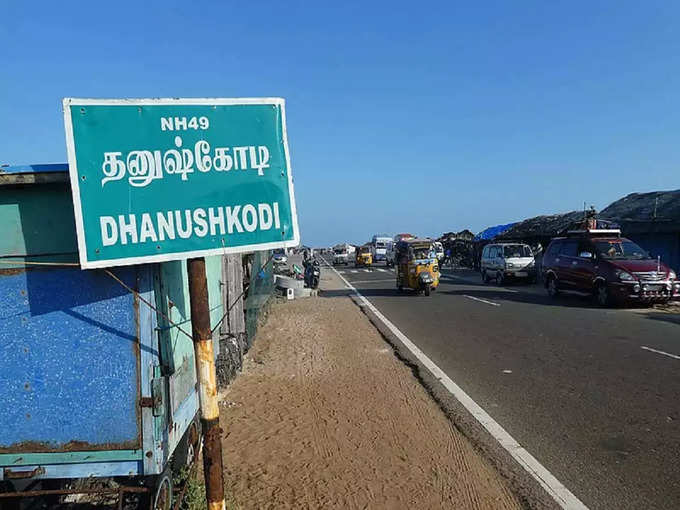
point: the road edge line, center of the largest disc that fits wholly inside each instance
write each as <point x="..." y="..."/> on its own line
<point x="555" y="489"/>
<point x="664" y="353"/>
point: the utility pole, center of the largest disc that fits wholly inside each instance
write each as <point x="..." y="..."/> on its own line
<point x="207" y="381"/>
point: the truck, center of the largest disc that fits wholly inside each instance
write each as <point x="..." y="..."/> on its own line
<point x="389" y="253"/>
<point x="97" y="370"/>
<point x="341" y="254"/>
<point x="380" y="243"/>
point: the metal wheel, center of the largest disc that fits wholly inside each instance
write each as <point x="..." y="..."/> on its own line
<point x="500" y="279"/>
<point x="485" y="277"/>
<point x="162" y="498"/>
<point x="427" y="290"/>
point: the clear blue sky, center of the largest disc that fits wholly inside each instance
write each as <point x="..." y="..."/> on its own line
<point x="417" y="117"/>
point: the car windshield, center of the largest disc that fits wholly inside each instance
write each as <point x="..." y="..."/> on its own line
<point x="379" y="245"/>
<point x="620" y="249"/>
<point x="339" y="251"/>
<point x="517" y="250"/>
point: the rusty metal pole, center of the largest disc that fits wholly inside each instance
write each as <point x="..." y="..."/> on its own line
<point x="207" y="381"/>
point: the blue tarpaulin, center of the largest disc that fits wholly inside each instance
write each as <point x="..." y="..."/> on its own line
<point x="492" y="232"/>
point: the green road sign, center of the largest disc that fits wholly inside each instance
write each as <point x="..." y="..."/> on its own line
<point x="167" y="179"/>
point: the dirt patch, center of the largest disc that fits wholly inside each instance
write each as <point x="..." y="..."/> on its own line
<point x="324" y="415"/>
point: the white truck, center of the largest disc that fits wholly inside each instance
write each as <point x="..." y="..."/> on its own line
<point x="389" y="255"/>
<point x="379" y="246"/>
<point x="341" y="254"/>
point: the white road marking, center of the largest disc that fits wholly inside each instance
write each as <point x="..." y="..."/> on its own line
<point x="381" y="270"/>
<point x="674" y="356"/>
<point x="353" y="271"/>
<point x="367" y="270"/>
<point x="482" y="300"/>
<point x="374" y="281"/>
<point x="562" y="496"/>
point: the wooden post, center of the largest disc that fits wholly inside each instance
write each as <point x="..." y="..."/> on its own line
<point x="207" y="381"/>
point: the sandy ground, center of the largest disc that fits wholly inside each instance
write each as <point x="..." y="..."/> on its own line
<point x="325" y="416"/>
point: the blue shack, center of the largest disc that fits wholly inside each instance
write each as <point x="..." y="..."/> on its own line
<point x="97" y="373"/>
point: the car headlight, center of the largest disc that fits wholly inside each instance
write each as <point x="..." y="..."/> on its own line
<point x="509" y="264"/>
<point x="624" y="276"/>
<point x="671" y="275"/>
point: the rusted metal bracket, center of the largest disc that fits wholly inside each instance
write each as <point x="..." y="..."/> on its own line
<point x="10" y="474"/>
<point x="146" y="402"/>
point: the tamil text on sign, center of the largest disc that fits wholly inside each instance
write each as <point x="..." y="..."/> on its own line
<point x="165" y="179"/>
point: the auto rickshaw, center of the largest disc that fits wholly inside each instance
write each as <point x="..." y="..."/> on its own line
<point x="364" y="257"/>
<point x="417" y="266"/>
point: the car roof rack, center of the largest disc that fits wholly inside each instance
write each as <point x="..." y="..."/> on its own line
<point x="595" y="232"/>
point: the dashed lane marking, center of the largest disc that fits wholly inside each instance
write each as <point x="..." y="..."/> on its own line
<point x="482" y="300"/>
<point x="374" y="281"/>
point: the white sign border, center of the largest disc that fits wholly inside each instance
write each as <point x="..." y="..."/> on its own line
<point x="167" y="257"/>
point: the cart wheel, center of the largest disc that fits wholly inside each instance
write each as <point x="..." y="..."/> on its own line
<point x="162" y="495"/>
<point x="427" y="290"/>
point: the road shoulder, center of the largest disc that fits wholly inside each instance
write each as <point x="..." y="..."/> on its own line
<point x="324" y="415"/>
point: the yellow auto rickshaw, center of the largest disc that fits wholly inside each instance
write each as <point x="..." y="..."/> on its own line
<point x="364" y="257"/>
<point x="417" y="266"/>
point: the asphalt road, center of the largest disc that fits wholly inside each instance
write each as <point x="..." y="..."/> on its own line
<point x="575" y="384"/>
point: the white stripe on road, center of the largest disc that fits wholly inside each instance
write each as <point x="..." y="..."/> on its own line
<point x="374" y="281"/>
<point x="674" y="356"/>
<point x="353" y="271"/>
<point x="482" y="300"/>
<point x="562" y="496"/>
<point x="381" y="269"/>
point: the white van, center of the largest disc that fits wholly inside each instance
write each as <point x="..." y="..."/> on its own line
<point x="501" y="261"/>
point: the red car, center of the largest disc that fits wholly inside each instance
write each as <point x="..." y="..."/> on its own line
<point x="608" y="266"/>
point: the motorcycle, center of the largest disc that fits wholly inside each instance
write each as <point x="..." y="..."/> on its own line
<point x="312" y="274"/>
